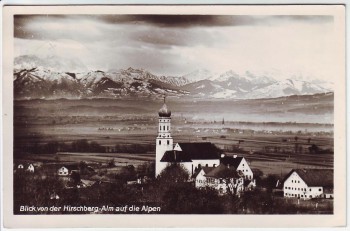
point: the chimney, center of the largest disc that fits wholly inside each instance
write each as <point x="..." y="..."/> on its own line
<point x="234" y="156"/>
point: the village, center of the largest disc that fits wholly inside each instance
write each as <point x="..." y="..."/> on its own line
<point x="208" y="170"/>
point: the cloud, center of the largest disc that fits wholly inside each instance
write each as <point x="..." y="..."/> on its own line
<point x="177" y="44"/>
<point x="181" y="21"/>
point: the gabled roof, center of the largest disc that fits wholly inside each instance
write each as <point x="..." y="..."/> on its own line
<point x="205" y="169"/>
<point x="201" y="151"/>
<point x="231" y="160"/>
<point x="70" y="167"/>
<point x="315" y="177"/>
<point x="175" y="157"/>
<point x="223" y="171"/>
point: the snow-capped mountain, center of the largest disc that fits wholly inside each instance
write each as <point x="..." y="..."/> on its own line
<point x="43" y="83"/>
<point x="198" y="75"/>
<point x="33" y="80"/>
<point x="53" y="62"/>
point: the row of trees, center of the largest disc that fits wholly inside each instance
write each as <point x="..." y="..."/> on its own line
<point x="83" y="145"/>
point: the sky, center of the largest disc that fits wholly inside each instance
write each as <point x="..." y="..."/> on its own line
<point x="174" y="45"/>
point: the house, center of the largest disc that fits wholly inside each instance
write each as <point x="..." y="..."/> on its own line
<point x="200" y="177"/>
<point x="67" y="170"/>
<point x="85" y="183"/>
<point x="63" y="171"/>
<point x="30" y="168"/>
<point x="238" y="163"/>
<point x="309" y="183"/>
<point x="222" y="178"/>
<point x="54" y="196"/>
<point x="20" y="166"/>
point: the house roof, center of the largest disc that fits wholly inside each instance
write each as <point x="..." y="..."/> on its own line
<point x="315" y="177"/>
<point x="201" y="151"/>
<point x="70" y="167"/>
<point x="231" y="160"/>
<point x="175" y="157"/>
<point x="223" y="171"/>
<point x="205" y="169"/>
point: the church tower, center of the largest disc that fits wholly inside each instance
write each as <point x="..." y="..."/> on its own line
<point x="164" y="141"/>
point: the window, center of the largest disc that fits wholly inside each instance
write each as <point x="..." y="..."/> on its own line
<point x="319" y="189"/>
<point x="160" y="127"/>
<point x="298" y="181"/>
<point x="167" y="142"/>
<point x="310" y="190"/>
<point x="160" y="142"/>
<point x="164" y="128"/>
<point x="167" y="127"/>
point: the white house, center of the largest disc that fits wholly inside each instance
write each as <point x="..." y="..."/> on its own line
<point x="200" y="177"/>
<point x="222" y="178"/>
<point x="238" y="163"/>
<point x="20" y="166"/>
<point x="63" y="171"/>
<point x="309" y="183"/>
<point x="30" y="168"/>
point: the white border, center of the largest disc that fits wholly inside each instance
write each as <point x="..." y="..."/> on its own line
<point x="172" y="220"/>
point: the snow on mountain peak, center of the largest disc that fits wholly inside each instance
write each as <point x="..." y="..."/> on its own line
<point x="52" y="62"/>
<point x="198" y="75"/>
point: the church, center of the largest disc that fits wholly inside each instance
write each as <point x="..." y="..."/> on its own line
<point x="192" y="156"/>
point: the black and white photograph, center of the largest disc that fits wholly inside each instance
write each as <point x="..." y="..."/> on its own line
<point x="185" y="113"/>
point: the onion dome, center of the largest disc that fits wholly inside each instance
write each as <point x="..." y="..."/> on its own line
<point x="164" y="111"/>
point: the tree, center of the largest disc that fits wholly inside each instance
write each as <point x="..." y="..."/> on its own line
<point x="127" y="173"/>
<point x="173" y="173"/>
<point x="184" y="198"/>
<point x="314" y="149"/>
<point x="75" y="176"/>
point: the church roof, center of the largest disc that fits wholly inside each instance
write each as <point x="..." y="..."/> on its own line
<point x="175" y="157"/>
<point x="164" y="111"/>
<point x="223" y="171"/>
<point x="315" y="177"/>
<point x="231" y="160"/>
<point x="201" y="151"/>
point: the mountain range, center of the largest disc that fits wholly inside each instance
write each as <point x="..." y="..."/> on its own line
<point x="53" y="77"/>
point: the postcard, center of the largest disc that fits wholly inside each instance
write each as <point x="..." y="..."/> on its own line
<point x="174" y="116"/>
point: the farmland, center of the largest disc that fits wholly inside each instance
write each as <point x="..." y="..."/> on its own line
<point x="274" y="146"/>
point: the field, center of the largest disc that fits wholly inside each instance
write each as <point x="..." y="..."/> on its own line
<point x="274" y="146"/>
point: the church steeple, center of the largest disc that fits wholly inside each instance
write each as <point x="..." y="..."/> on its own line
<point x="164" y="141"/>
<point x="164" y="111"/>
